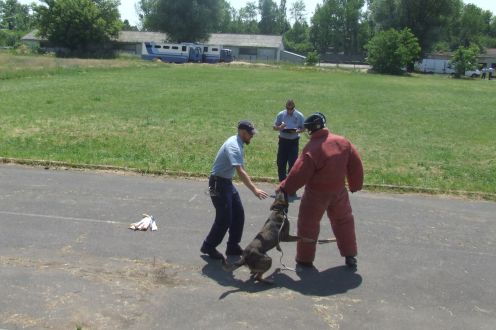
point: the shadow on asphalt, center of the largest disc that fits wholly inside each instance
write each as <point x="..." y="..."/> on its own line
<point x="311" y="281"/>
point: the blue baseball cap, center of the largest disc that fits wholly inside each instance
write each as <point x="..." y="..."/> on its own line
<point x="247" y="125"/>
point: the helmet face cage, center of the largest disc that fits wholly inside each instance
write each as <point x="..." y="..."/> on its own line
<point x="315" y="122"/>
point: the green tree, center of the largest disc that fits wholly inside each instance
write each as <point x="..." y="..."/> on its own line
<point x="353" y="25"/>
<point x="385" y="14"/>
<point x="492" y="27"/>
<point x="474" y="24"/>
<point x="268" y="14"/>
<point x="15" y="16"/>
<point x="185" y="20"/>
<point x="282" y="23"/>
<point x="10" y="38"/>
<point x="312" y="58"/>
<point x="82" y="26"/>
<point x="490" y="39"/>
<point x="298" y="11"/>
<point x="226" y="18"/>
<point x="230" y="21"/>
<point x="297" y="38"/>
<point x="426" y="18"/>
<point x="326" y="28"/>
<point x="336" y="26"/>
<point x="126" y="26"/>
<point x="464" y="58"/>
<point x="248" y="18"/>
<point x="145" y="8"/>
<point x="391" y="51"/>
<point x="468" y="25"/>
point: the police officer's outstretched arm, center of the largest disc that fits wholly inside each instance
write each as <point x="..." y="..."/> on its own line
<point x="247" y="181"/>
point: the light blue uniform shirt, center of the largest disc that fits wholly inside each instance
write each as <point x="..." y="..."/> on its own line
<point x="229" y="156"/>
<point x="296" y="120"/>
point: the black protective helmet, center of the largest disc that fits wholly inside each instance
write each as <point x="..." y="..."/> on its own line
<point x="314" y="122"/>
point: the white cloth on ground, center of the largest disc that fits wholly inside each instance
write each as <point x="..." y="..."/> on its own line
<point x="145" y="223"/>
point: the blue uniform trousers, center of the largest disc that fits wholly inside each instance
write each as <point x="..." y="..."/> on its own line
<point x="287" y="153"/>
<point x="229" y="213"/>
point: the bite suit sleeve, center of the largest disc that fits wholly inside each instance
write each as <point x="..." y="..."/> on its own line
<point x="354" y="173"/>
<point x="300" y="173"/>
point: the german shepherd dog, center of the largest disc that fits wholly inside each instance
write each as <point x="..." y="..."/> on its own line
<point x="275" y="230"/>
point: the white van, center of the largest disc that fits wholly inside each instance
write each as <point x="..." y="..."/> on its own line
<point x="429" y="65"/>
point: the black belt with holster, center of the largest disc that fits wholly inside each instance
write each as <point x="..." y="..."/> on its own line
<point x="214" y="183"/>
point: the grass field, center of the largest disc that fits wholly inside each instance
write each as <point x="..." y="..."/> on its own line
<point x="428" y="132"/>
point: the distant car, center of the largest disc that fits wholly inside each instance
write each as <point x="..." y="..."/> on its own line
<point x="473" y="73"/>
<point x="469" y="73"/>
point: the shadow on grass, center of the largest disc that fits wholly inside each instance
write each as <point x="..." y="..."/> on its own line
<point x="310" y="281"/>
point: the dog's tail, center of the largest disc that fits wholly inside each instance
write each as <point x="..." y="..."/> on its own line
<point x="228" y="267"/>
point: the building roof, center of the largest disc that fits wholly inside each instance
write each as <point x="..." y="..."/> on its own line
<point x="490" y="52"/>
<point x="246" y="40"/>
<point x="124" y="36"/>
<point x="224" y="39"/>
<point x="138" y="36"/>
<point x="31" y="36"/>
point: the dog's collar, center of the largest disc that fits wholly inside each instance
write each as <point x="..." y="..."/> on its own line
<point x="284" y="215"/>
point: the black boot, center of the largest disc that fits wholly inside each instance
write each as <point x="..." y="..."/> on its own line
<point x="234" y="250"/>
<point x="211" y="251"/>
<point x="351" y="262"/>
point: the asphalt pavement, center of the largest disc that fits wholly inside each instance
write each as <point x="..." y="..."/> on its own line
<point x="68" y="260"/>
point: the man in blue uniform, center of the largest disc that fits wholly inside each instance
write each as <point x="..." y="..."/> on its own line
<point x="229" y="212"/>
<point x="289" y="123"/>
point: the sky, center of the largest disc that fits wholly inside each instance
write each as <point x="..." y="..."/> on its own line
<point x="128" y="11"/>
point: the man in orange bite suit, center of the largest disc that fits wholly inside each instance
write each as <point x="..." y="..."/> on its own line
<point x="326" y="162"/>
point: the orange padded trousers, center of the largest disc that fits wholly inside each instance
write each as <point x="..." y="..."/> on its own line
<point x="312" y="207"/>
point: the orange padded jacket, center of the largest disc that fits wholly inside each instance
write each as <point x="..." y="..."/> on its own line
<point x="324" y="164"/>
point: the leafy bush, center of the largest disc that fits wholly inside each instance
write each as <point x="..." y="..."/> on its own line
<point x="23" y="49"/>
<point x="391" y="51"/>
<point x="464" y="58"/>
<point x="312" y="58"/>
<point x="10" y="38"/>
<point x="297" y="39"/>
<point x="298" y="48"/>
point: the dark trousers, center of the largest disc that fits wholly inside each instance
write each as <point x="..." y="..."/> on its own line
<point x="229" y="213"/>
<point x="287" y="153"/>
